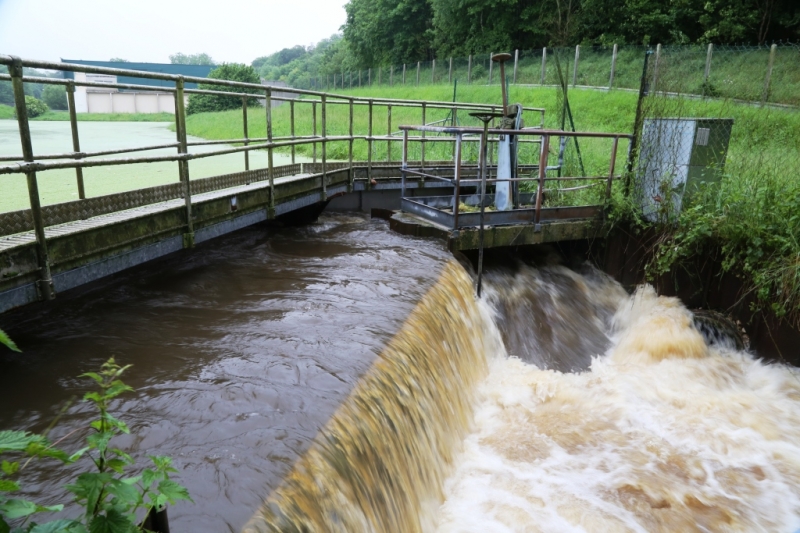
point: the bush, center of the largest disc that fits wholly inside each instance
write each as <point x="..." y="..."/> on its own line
<point x="55" y="96"/>
<point x="203" y="103"/>
<point x="35" y="107"/>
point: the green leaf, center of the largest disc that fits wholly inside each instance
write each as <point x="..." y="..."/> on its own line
<point x="4" y="527"/>
<point x="149" y="476"/>
<point x="94" y="375"/>
<point x="10" y="468"/>
<point x="7" y="342"/>
<point x="16" y="508"/>
<point x="59" y="526"/>
<point x="116" y="389"/>
<point x="16" y="440"/>
<point x="124" y="456"/>
<point x="173" y="491"/>
<point x="77" y="455"/>
<point x="6" y="485"/>
<point x="127" y="494"/>
<point x="93" y="396"/>
<point x="112" y="522"/>
<point x="88" y="487"/>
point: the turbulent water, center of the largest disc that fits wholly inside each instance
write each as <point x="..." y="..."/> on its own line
<point x="583" y="408"/>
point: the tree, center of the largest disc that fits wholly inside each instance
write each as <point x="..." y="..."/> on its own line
<point x="203" y="103"/>
<point x="55" y="96"/>
<point x="389" y="31"/>
<point x="191" y="59"/>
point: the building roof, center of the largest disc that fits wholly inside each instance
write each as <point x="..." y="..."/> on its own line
<point x="199" y="71"/>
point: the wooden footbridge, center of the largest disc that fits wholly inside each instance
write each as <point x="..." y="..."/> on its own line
<point x="48" y="249"/>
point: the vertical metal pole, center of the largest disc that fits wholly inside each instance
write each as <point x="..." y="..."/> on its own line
<point x="270" y="150"/>
<point x="324" y="148"/>
<point x="767" y="81"/>
<point x="422" y="142"/>
<point x="482" y="229"/>
<point x="450" y="72"/>
<point x="575" y="67"/>
<point x="183" y="164"/>
<point x="389" y="133"/>
<point x="76" y="143"/>
<point x="404" y="73"/>
<point x="656" y="65"/>
<point x="291" y="120"/>
<point x="418" y="73"/>
<point x="369" y="148"/>
<point x="314" y="130"/>
<point x="544" y="65"/>
<point x="457" y="180"/>
<point x="433" y="71"/>
<point x="543" y="153"/>
<point x="469" y="69"/>
<point x="516" y="60"/>
<point x="244" y="127"/>
<point x="707" y="71"/>
<point x="351" y="182"/>
<point x="611" y="167"/>
<point x="369" y="76"/>
<point x="613" y="67"/>
<point x="351" y="79"/>
<point x="491" y="66"/>
<point x="45" y="282"/>
<point x="404" y="165"/>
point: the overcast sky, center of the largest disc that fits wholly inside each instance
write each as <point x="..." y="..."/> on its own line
<point x="151" y="30"/>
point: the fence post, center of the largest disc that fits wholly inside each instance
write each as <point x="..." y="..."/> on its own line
<point x="544" y="65"/>
<point x="44" y="284"/>
<point x="516" y="60"/>
<point x="613" y="66"/>
<point x="433" y="71"/>
<point x="183" y="164"/>
<point x="270" y="150"/>
<point x="369" y="148"/>
<point x="418" y="73"/>
<point x="291" y="125"/>
<point x="768" y="79"/>
<point x="457" y="179"/>
<point x="369" y="77"/>
<point x="351" y="181"/>
<point x="391" y="76"/>
<point x="656" y="64"/>
<point x="491" y="65"/>
<point x="469" y="69"/>
<point x="575" y="67"/>
<point x="422" y="142"/>
<point x="707" y="72"/>
<point x="244" y="128"/>
<point x="314" y="131"/>
<point x="389" y="127"/>
<point x="76" y="144"/>
<point x="450" y="71"/>
<point x="380" y="75"/>
<point x="404" y="73"/>
<point x="324" y="113"/>
<point x="359" y="78"/>
<point x="543" y="153"/>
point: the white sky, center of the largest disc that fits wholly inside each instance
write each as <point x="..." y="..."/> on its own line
<point x="151" y="30"/>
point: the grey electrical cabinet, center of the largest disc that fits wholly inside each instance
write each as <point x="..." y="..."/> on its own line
<point x="678" y="154"/>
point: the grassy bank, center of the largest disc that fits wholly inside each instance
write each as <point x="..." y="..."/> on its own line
<point x="7" y="112"/>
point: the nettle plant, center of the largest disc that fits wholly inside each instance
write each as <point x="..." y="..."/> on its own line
<point x="111" y="499"/>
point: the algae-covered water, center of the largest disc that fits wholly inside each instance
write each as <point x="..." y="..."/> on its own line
<point x="56" y="186"/>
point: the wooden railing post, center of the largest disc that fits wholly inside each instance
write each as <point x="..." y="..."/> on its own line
<point x="244" y="127"/>
<point x="44" y="285"/>
<point x="270" y="162"/>
<point x="324" y="115"/>
<point x="613" y="67"/>
<point x="183" y="164"/>
<point x="76" y="143"/>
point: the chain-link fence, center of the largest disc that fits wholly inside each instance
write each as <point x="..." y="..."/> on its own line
<point x="751" y="73"/>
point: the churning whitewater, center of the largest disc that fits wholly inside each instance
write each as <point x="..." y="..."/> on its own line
<point x="557" y="403"/>
<point x="661" y="433"/>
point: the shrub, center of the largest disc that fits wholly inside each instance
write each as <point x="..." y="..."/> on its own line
<point x="203" y="103"/>
<point x="34" y="106"/>
<point x="55" y="96"/>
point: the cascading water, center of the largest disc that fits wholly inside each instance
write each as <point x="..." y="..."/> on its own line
<point x="611" y="413"/>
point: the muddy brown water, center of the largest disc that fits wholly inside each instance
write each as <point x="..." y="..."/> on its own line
<point x="242" y="349"/>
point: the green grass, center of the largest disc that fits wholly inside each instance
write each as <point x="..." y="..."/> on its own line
<point x="7" y="112"/>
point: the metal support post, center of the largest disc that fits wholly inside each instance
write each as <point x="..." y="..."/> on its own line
<point x="351" y="181"/>
<point x="404" y="165"/>
<point x="418" y="64"/>
<point x="389" y="133"/>
<point x="244" y="127"/>
<point x="457" y="180"/>
<point x="516" y="61"/>
<point x="611" y="167"/>
<point x="369" y="76"/>
<point x="543" y="153"/>
<point x="324" y="149"/>
<point x="369" y="147"/>
<point x="575" y="67"/>
<point x="314" y="131"/>
<point x="76" y="143"/>
<point x="183" y="164"/>
<point x="433" y="71"/>
<point x="491" y="66"/>
<point x="656" y="65"/>
<point x="707" y="71"/>
<point x="44" y="284"/>
<point x="270" y="150"/>
<point x="768" y="79"/>
<point x="613" y="67"/>
<point x="291" y="125"/>
<point x="469" y="69"/>
<point x="544" y="65"/>
<point x="422" y="142"/>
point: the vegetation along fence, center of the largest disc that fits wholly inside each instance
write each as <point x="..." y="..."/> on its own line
<point x="752" y="73"/>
